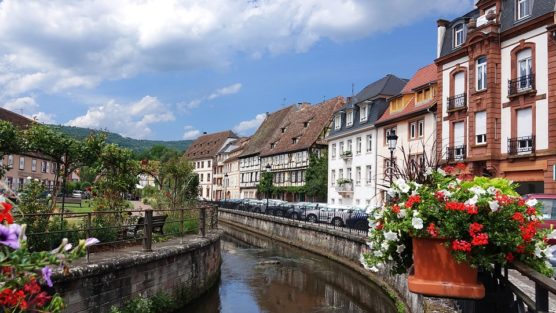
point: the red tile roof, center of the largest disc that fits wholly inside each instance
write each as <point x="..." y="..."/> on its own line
<point x="424" y="75"/>
<point x="16" y="119"/>
<point x="207" y="146"/>
<point x="306" y="123"/>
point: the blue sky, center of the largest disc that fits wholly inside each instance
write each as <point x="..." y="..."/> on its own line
<point x="171" y="70"/>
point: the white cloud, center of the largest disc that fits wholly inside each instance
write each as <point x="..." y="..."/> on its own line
<point x="245" y="127"/>
<point x="58" y="44"/>
<point x="131" y="120"/>
<point x="228" y="90"/>
<point x="191" y="133"/>
<point x="28" y="107"/>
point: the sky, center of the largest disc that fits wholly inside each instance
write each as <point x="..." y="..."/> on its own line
<point x="171" y="70"/>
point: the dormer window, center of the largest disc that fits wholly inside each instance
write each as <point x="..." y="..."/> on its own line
<point x="295" y="140"/>
<point x="363" y="113"/>
<point x="306" y="124"/>
<point x="337" y="121"/>
<point x="459" y="35"/>
<point x="283" y="129"/>
<point x="349" y="118"/>
<point x="523" y="9"/>
<point x="273" y="145"/>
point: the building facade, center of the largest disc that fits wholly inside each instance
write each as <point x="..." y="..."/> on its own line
<point x="352" y="153"/>
<point x="288" y="151"/>
<point x="497" y="84"/>
<point x="202" y="155"/>
<point x="411" y="115"/>
<point x="231" y="183"/>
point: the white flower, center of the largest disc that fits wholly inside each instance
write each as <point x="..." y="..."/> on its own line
<point x="390" y="236"/>
<point x="378" y="253"/>
<point x="491" y="190"/>
<point x="478" y="191"/>
<point x="370" y="244"/>
<point x="400" y="248"/>
<point x="417" y="223"/>
<point x="441" y="172"/>
<point x="374" y="269"/>
<point x="429" y="171"/>
<point x="391" y="192"/>
<point x="390" y="258"/>
<point x="452" y="185"/>
<point x="385" y="245"/>
<point x="415" y="213"/>
<point x="29" y="178"/>
<point x="494" y="206"/>
<point x="531" y="202"/>
<point x="402" y="214"/>
<point x="378" y="214"/>
<point x="472" y="201"/>
<point x="538" y="252"/>
<point x="402" y="185"/>
<point x="364" y="262"/>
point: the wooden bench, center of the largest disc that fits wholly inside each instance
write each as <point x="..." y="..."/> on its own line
<point x="158" y="224"/>
<point x="69" y="201"/>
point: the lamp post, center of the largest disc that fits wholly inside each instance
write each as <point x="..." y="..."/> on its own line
<point x="225" y="185"/>
<point x="268" y="168"/>
<point x="392" y="139"/>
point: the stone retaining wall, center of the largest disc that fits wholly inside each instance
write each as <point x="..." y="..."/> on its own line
<point x="184" y="271"/>
<point x="341" y="246"/>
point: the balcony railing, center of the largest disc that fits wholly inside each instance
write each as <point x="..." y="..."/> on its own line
<point x="521" y="145"/>
<point x="521" y="84"/>
<point x="346" y="155"/>
<point x="345" y="188"/>
<point x="456" y="153"/>
<point x="457" y="102"/>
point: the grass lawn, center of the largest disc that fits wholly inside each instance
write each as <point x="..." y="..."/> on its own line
<point x="73" y="207"/>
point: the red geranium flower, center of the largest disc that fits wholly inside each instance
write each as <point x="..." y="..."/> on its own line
<point x="396" y="208"/>
<point x="432" y="230"/>
<point x="412" y="200"/>
<point x="518" y="217"/>
<point x="480" y="239"/>
<point x="509" y="257"/>
<point x="461" y="166"/>
<point x="474" y="228"/>
<point x="461" y="245"/>
<point x="531" y="211"/>
<point x="5" y="214"/>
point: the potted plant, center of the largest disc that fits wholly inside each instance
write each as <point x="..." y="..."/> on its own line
<point x="343" y="181"/>
<point x="346" y="154"/>
<point x="449" y="226"/>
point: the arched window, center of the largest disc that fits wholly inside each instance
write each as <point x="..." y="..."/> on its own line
<point x="481" y="73"/>
<point x="525" y="69"/>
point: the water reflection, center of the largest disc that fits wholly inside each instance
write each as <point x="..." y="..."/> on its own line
<point x="259" y="275"/>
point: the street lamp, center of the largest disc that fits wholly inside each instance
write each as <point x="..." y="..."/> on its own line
<point x="225" y="185"/>
<point x="268" y="168"/>
<point x="392" y="140"/>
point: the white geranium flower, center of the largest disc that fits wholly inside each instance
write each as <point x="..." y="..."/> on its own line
<point x="538" y="252"/>
<point x="441" y="172"/>
<point x="403" y="213"/>
<point x="417" y="223"/>
<point x="478" y="191"/>
<point x="531" y="202"/>
<point x="472" y="201"/>
<point x="370" y="244"/>
<point x="390" y="258"/>
<point x="491" y="190"/>
<point x="494" y="206"/>
<point x="364" y="262"/>
<point x="385" y="245"/>
<point x="378" y="253"/>
<point x="400" y="249"/>
<point x="429" y="171"/>
<point x="378" y="214"/>
<point x="390" y="236"/>
<point x="402" y="185"/>
<point x="392" y="192"/>
<point x="415" y="213"/>
<point x="452" y="185"/>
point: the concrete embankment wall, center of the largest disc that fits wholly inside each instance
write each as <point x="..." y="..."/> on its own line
<point x="183" y="270"/>
<point x="338" y="245"/>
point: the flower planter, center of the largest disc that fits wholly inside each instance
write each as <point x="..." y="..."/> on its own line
<point x="436" y="273"/>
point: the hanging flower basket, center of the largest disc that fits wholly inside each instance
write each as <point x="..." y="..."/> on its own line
<point x="436" y="273"/>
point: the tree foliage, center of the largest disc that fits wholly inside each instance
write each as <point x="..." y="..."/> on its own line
<point x="10" y="142"/>
<point x="178" y="181"/>
<point x="265" y="185"/>
<point x="316" y="176"/>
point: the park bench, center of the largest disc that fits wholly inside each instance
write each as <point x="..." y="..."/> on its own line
<point x="69" y="201"/>
<point x="158" y="224"/>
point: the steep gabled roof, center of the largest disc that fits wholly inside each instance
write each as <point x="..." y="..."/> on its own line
<point x="423" y="76"/>
<point x="207" y="146"/>
<point x="265" y="132"/>
<point x="16" y="119"/>
<point x="389" y="85"/>
<point x="304" y="124"/>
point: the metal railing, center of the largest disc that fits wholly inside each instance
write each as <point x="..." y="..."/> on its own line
<point x="343" y="188"/>
<point x="505" y="294"/>
<point x="456" y="153"/>
<point x="520" y="145"/>
<point x="117" y="229"/>
<point x="350" y="221"/>
<point x="521" y="84"/>
<point x="457" y="102"/>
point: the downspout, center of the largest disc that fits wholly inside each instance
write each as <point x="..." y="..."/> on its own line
<point x="375" y="147"/>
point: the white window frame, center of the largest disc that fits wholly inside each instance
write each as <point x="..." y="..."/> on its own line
<point x="363" y="112"/>
<point x="370" y="143"/>
<point x="421" y="128"/>
<point x="413" y="130"/>
<point x="528" y="60"/>
<point x="33" y="165"/>
<point x="358" y="175"/>
<point x="527" y="5"/>
<point x="333" y="177"/>
<point x="337" y="121"/>
<point x="481" y="77"/>
<point x="333" y="151"/>
<point x="21" y="163"/>
<point x="349" y="118"/>
<point x="459" y="29"/>
<point x="349" y="144"/>
<point x="480" y="137"/>
<point x="358" y="144"/>
<point x="369" y="174"/>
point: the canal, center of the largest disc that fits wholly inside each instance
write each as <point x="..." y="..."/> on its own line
<point x="261" y="275"/>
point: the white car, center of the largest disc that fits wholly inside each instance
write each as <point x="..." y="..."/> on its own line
<point x="77" y="194"/>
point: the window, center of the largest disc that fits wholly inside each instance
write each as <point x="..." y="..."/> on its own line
<point x="348" y="173"/>
<point x="33" y="165"/>
<point x="208" y="163"/>
<point x="481" y="73"/>
<point x="306" y="124"/>
<point x="417" y="160"/>
<point x="480" y="127"/>
<point x="273" y="145"/>
<point x="348" y="147"/>
<point x="523" y="9"/>
<point x="358" y="175"/>
<point x="358" y="145"/>
<point x="333" y="177"/>
<point x="341" y="173"/>
<point x="283" y="130"/>
<point x="413" y="130"/>
<point x="421" y="128"/>
<point x="201" y="177"/>
<point x="369" y="143"/>
<point x="21" y="163"/>
<point x="363" y="113"/>
<point x="524" y="130"/>
<point x="388" y="167"/>
<point x="369" y="174"/>
<point x="525" y="69"/>
<point x="341" y="147"/>
<point x="416" y="129"/>
<point x="10" y="161"/>
<point x="295" y="140"/>
<point x="208" y="177"/>
<point x="459" y="36"/>
<point x="333" y="152"/>
<point x="338" y="121"/>
<point x="349" y="118"/>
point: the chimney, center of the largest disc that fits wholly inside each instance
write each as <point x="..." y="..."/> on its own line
<point x="441" y="32"/>
<point x="204" y="133"/>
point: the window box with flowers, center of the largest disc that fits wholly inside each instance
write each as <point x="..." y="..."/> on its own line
<point x="346" y="154"/>
<point x="448" y="226"/>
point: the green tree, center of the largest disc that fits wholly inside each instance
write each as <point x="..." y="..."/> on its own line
<point x="10" y="143"/>
<point x="178" y="181"/>
<point x="316" y="176"/>
<point x="265" y="186"/>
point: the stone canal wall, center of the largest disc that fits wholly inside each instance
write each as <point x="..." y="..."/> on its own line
<point x="183" y="270"/>
<point x="338" y="245"/>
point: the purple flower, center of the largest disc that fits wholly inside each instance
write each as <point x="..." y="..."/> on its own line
<point x="46" y="273"/>
<point x="91" y="241"/>
<point x="9" y="235"/>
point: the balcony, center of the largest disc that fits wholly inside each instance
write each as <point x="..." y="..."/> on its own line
<point x="521" y="85"/>
<point x="346" y="155"/>
<point x="457" y="102"/>
<point x="456" y="153"/>
<point x="344" y="186"/>
<point x="521" y="145"/>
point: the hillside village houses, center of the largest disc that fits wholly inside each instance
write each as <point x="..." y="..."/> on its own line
<point x="411" y="116"/>
<point x="231" y="173"/>
<point x="497" y="85"/>
<point x="352" y="156"/>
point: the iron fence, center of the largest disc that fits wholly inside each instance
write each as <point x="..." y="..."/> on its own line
<point x="117" y="228"/>
<point x="521" y="84"/>
<point x="521" y="145"/>
<point x="457" y="102"/>
<point x="347" y="220"/>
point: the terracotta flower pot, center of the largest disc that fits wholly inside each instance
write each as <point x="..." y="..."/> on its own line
<point x="436" y="273"/>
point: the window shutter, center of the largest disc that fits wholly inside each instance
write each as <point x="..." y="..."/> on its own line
<point x="459" y="139"/>
<point x="480" y="123"/>
<point x="524" y="122"/>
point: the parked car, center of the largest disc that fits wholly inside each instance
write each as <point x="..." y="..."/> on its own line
<point x="298" y="210"/>
<point x="548" y="202"/>
<point x="252" y="205"/>
<point x="358" y="219"/>
<point x="275" y="207"/>
<point x="76" y="194"/>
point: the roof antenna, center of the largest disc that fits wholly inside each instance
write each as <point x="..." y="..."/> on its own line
<point x="352" y="87"/>
<point x="323" y="98"/>
<point x="284" y="101"/>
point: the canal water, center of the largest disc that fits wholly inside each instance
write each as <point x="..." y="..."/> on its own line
<point x="260" y="275"/>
